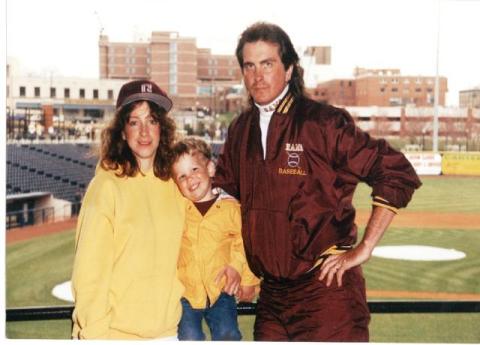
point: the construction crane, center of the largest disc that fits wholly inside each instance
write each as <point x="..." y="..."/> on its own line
<point x="100" y="26"/>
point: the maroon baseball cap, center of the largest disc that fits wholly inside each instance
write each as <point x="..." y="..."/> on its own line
<point x="143" y="90"/>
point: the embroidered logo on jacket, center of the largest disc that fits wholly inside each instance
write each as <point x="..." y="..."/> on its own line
<point x="293" y="159"/>
<point x="294" y="147"/>
<point x="294" y="152"/>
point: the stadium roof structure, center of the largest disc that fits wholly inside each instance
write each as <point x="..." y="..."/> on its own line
<point x="30" y="195"/>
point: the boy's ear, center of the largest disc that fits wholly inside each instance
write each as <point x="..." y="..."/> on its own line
<point x="211" y="168"/>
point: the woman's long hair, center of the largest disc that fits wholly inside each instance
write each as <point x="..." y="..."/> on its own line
<point x="115" y="154"/>
<point x="274" y="34"/>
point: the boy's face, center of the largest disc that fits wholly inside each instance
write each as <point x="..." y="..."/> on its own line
<point x="193" y="175"/>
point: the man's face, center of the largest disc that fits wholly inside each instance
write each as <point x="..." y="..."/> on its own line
<point x="263" y="72"/>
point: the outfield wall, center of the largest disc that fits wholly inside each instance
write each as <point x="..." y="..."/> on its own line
<point x="465" y="163"/>
<point x="446" y="163"/>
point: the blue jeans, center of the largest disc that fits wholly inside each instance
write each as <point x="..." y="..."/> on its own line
<point x="221" y="319"/>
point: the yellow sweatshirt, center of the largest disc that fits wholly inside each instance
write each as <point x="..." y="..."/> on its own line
<point x="209" y="243"/>
<point x="125" y="281"/>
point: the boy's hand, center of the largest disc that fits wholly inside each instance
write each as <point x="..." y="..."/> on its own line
<point x="232" y="277"/>
<point x="246" y="293"/>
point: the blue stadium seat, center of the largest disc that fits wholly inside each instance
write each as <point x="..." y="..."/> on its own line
<point x="61" y="169"/>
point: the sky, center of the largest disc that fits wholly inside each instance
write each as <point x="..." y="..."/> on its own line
<point x="60" y="37"/>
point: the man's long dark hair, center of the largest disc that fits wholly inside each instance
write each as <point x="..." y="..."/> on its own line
<point x="272" y="33"/>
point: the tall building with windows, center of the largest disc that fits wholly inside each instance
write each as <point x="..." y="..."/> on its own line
<point x="381" y="87"/>
<point x="336" y="91"/>
<point x="191" y="76"/>
<point x="216" y="67"/>
<point x="56" y="106"/>
<point x="216" y="76"/>
<point x="470" y="98"/>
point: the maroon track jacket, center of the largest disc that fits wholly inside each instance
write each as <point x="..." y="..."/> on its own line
<point x="297" y="202"/>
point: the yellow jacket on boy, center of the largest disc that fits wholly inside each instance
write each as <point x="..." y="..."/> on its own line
<point x="209" y="243"/>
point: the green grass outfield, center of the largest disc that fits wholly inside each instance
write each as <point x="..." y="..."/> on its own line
<point x="35" y="266"/>
<point x="437" y="194"/>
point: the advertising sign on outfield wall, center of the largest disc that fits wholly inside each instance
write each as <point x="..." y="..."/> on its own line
<point x="425" y="163"/>
<point x="461" y="163"/>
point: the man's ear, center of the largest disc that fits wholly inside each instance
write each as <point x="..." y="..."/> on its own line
<point x="211" y="168"/>
<point x="288" y="75"/>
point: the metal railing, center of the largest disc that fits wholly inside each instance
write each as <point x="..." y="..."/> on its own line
<point x="383" y="307"/>
<point x="31" y="216"/>
<point x="39" y="216"/>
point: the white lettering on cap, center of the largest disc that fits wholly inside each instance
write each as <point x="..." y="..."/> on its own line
<point x="146" y="88"/>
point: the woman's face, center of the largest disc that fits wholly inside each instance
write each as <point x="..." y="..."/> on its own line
<point x="142" y="133"/>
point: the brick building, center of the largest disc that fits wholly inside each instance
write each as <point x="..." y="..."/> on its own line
<point x="193" y="77"/>
<point x="470" y="98"/>
<point x="381" y="87"/>
<point x="336" y="91"/>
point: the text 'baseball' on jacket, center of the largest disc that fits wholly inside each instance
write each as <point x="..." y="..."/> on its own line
<point x="298" y="199"/>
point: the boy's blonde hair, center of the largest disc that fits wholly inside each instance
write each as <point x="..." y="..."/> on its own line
<point x="191" y="146"/>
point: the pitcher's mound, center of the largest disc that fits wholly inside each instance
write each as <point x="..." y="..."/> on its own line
<point x="63" y="291"/>
<point x="418" y="253"/>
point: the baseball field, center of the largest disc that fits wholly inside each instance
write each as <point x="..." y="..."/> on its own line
<point x="445" y="213"/>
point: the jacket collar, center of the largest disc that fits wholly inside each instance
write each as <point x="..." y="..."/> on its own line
<point x="285" y="104"/>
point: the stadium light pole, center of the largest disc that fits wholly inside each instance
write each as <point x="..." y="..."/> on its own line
<point x="437" y="82"/>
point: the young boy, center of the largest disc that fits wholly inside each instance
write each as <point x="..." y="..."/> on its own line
<point x="212" y="264"/>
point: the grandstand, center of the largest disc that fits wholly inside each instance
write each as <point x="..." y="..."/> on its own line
<point x="61" y="171"/>
<point x="46" y="182"/>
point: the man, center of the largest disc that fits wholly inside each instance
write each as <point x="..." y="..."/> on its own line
<point x="294" y="165"/>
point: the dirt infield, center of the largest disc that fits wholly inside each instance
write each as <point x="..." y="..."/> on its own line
<point x="422" y="220"/>
<point x="425" y="220"/>
<point x="28" y="232"/>
<point x="429" y="220"/>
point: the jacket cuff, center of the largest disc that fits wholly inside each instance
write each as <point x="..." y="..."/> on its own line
<point x="381" y="202"/>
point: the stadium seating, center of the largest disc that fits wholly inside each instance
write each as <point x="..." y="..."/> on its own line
<point x="61" y="169"/>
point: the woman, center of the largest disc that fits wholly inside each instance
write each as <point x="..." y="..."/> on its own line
<point x="130" y="225"/>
